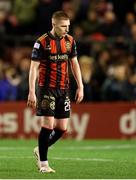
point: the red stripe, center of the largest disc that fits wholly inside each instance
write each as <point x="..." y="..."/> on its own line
<point x="53" y="75"/>
<point x="42" y="71"/>
<point x="63" y="46"/>
<point x="53" y="46"/>
<point x="63" y="75"/>
<point x="43" y="42"/>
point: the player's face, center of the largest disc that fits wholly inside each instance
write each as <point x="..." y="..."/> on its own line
<point x="61" y="27"/>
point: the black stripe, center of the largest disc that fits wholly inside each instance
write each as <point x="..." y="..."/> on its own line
<point x="66" y="78"/>
<point x="58" y="46"/>
<point x="58" y="63"/>
<point x="48" y="69"/>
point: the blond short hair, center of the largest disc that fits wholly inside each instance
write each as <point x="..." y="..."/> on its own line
<point x="60" y="15"/>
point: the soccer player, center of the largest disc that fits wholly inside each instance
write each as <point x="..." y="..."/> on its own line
<point x="50" y="56"/>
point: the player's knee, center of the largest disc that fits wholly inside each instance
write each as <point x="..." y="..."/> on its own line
<point x="64" y="129"/>
<point x="48" y="126"/>
<point x="47" y="122"/>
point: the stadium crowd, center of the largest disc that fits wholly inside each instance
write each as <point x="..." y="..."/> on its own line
<point x="105" y="32"/>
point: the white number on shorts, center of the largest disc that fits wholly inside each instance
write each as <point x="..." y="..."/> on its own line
<point x="67" y="105"/>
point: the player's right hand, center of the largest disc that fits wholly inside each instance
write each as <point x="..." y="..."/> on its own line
<point x="31" y="102"/>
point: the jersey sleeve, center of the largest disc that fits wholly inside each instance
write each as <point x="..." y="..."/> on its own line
<point x="73" y="50"/>
<point x="38" y="51"/>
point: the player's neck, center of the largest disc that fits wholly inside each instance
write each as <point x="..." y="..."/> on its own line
<point x="55" y="34"/>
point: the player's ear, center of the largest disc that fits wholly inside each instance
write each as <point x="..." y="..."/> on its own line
<point x="53" y="23"/>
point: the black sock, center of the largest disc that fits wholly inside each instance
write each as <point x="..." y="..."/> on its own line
<point x="55" y="135"/>
<point x="43" y="143"/>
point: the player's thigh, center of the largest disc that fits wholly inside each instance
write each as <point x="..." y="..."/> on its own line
<point x="62" y="123"/>
<point x="45" y="103"/>
<point x="47" y="122"/>
<point x="62" y="110"/>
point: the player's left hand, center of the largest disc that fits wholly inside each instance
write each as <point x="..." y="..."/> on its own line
<point x="79" y="95"/>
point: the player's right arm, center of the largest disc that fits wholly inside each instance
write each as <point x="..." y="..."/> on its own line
<point x="32" y="81"/>
<point x="35" y="61"/>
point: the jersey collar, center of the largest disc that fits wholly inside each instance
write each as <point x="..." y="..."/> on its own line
<point x="53" y="37"/>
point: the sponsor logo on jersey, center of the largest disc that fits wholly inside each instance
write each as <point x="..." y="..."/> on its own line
<point x="58" y="57"/>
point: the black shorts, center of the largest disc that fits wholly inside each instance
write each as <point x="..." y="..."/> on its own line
<point x="53" y="102"/>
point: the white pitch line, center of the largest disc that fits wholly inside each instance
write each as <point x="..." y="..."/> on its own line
<point x="91" y="147"/>
<point x="16" y="157"/>
<point x="59" y="158"/>
<point x="4" y="148"/>
<point x="105" y="147"/>
<point x="83" y="159"/>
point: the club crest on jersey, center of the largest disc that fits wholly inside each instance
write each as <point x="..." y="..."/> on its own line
<point x="44" y="104"/>
<point x="68" y="46"/>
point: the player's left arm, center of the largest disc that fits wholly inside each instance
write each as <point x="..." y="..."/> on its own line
<point x="77" y="75"/>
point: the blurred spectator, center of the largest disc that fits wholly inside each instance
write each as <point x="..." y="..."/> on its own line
<point x="91" y="24"/>
<point x="16" y="56"/>
<point x="2" y="22"/>
<point x="81" y="7"/>
<point x="23" y="86"/>
<point x="4" y="10"/>
<point x="83" y="46"/>
<point x="118" y="49"/>
<point x="78" y="32"/>
<point x="101" y="66"/>
<point x="133" y="32"/>
<point x="90" y="86"/>
<point x="129" y="21"/>
<point x="102" y="7"/>
<point x="110" y="26"/>
<point x="130" y="60"/>
<point x="129" y="87"/>
<point x="23" y="16"/>
<point x="113" y="87"/>
<point x="1" y="68"/>
<point x="133" y="37"/>
<point x="8" y="85"/>
<point x="122" y="7"/>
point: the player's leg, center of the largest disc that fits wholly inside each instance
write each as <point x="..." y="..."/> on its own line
<point x="62" y="114"/>
<point x="58" y="131"/>
<point x="45" y="109"/>
<point x="41" y="151"/>
<point x="47" y="123"/>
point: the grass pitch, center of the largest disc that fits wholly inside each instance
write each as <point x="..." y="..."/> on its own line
<point x="109" y="159"/>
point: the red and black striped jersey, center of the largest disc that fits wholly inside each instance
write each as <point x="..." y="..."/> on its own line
<point x="53" y="54"/>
